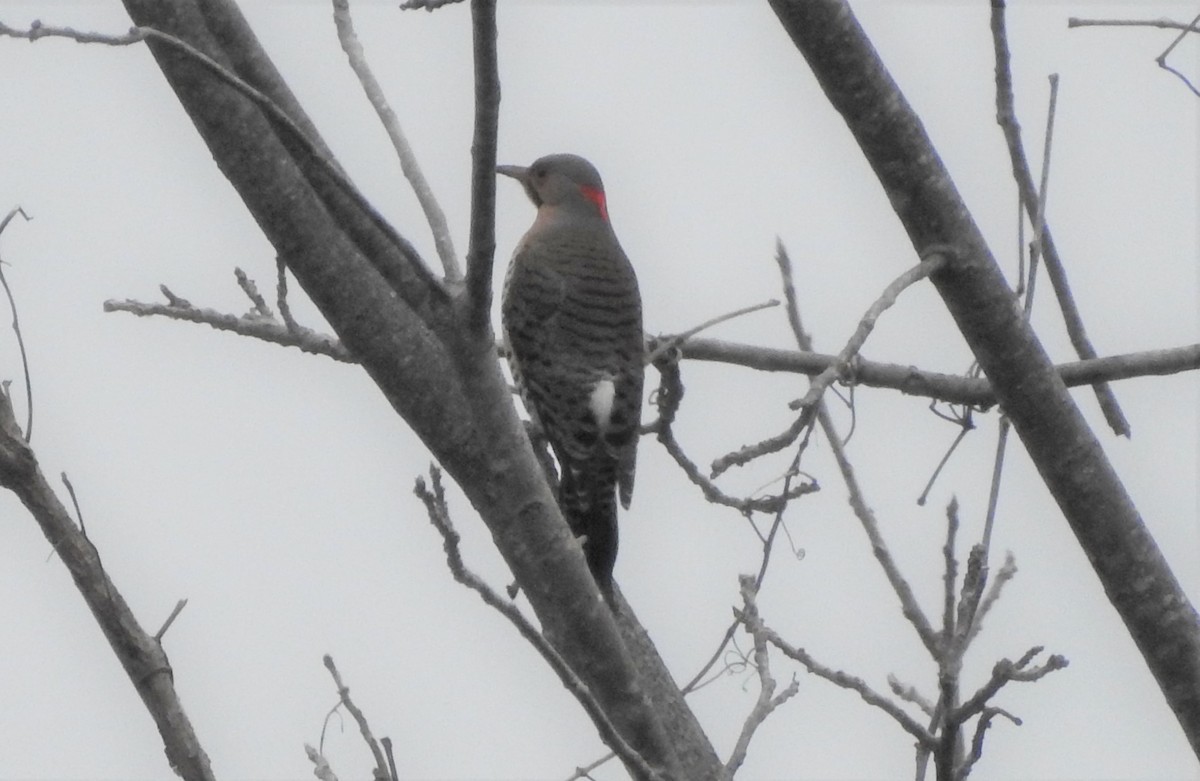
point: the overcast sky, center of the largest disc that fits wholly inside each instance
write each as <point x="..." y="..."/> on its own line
<point x="273" y="490"/>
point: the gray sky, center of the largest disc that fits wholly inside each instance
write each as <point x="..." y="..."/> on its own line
<point x="274" y="490"/>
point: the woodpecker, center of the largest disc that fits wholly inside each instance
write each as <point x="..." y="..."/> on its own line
<point x="572" y="317"/>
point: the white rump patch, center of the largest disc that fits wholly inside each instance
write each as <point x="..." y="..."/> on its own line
<point x="601" y="401"/>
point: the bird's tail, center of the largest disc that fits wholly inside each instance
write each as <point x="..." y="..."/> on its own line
<point x="588" y="500"/>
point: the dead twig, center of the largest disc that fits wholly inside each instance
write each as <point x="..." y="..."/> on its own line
<point x="381" y="772"/>
<point x="409" y="165"/>
<point x="16" y="328"/>
<point x="837" y="369"/>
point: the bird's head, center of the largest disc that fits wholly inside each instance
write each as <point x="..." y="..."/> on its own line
<point x="561" y="180"/>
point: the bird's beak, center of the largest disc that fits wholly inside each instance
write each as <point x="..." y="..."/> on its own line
<point x="518" y="172"/>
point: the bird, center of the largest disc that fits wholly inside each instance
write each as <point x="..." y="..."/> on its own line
<point x="571" y="315"/>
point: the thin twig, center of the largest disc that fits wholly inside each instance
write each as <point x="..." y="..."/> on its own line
<point x="981" y="728"/>
<point x="1162" y="58"/>
<point x="667" y="398"/>
<point x="273" y="112"/>
<point x="281" y="295"/>
<point x="175" y="611"/>
<point x="393" y="773"/>
<point x="970" y="596"/>
<point x="359" y="717"/>
<point x="16" y="327"/>
<point x="1003" y="672"/>
<point x="66" y="481"/>
<point x="1006" y="573"/>
<point x="846" y="681"/>
<point x="1162" y="24"/>
<point x="835" y="370"/>
<point x="866" y="325"/>
<point x="966" y="426"/>
<point x="255" y="327"/>
<point x="1165" y="24"/>
<point x="409" y="165"/>
<point x="949" y="571"/>
<point x="909" y="693"/>
<point x="994" y="490"/>
<point x="321" y="768"/>
<point x="866" y="517"/>
<point x="663" y="344"/>
<point x="909" y="606"/>
<point x="261" y="307"/>
<point x="766" y="703"/>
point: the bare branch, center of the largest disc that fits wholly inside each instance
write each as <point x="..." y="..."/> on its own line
<point x="140" y="654"/>
<point x="170" y="619"/>
<point x="1006" y="573"/>
<point x="364" y="728"/>
<point x="1006" y="117"/>
<point x="981" y="728"/>
<point x="482" y="246"/>
<point x="667" y="398"/>
<point x="1162" y="58"/>
<point x="16" y="327"/>
<point x="434" y="500"/>
<point x="1162" y="24"/>
<point x="950" y="388"/>
<point x="660" y="345"/>
<point x="866" y="517"/>
<point x="321" y="768"/>
<point x="909" y="693"/>
<point x="409" y="165"/>
<point x="997" y="472"/>
<point x="949" y="571"/>
<point x="766" y="702"/>
<point x="281" y="290"/>
<point x="428" y="5"/>
<point x="261" y="307"/>
<point x="966" y="426"/>
<point x="1003" y="672"/>
<point x="399" y="276"/>
<point x="832" y="372"/>
<point x="839" y="678"/>
<point x="255" y="326"/>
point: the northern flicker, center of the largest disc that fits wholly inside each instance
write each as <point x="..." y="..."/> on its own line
<point x="572" y="317"/>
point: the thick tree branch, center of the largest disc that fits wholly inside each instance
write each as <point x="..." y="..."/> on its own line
<point x="1132" y="570"/>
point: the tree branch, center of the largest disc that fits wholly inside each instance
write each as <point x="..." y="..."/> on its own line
<point x="140" y="653"/>
<point x="909" y="380"/>
<point x="434" y="500"/>
<point x="409" y="165"/>
<point x="1132" y="571"/>
<point x="1055" y="269"/>
<point x="482" y="249"/>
